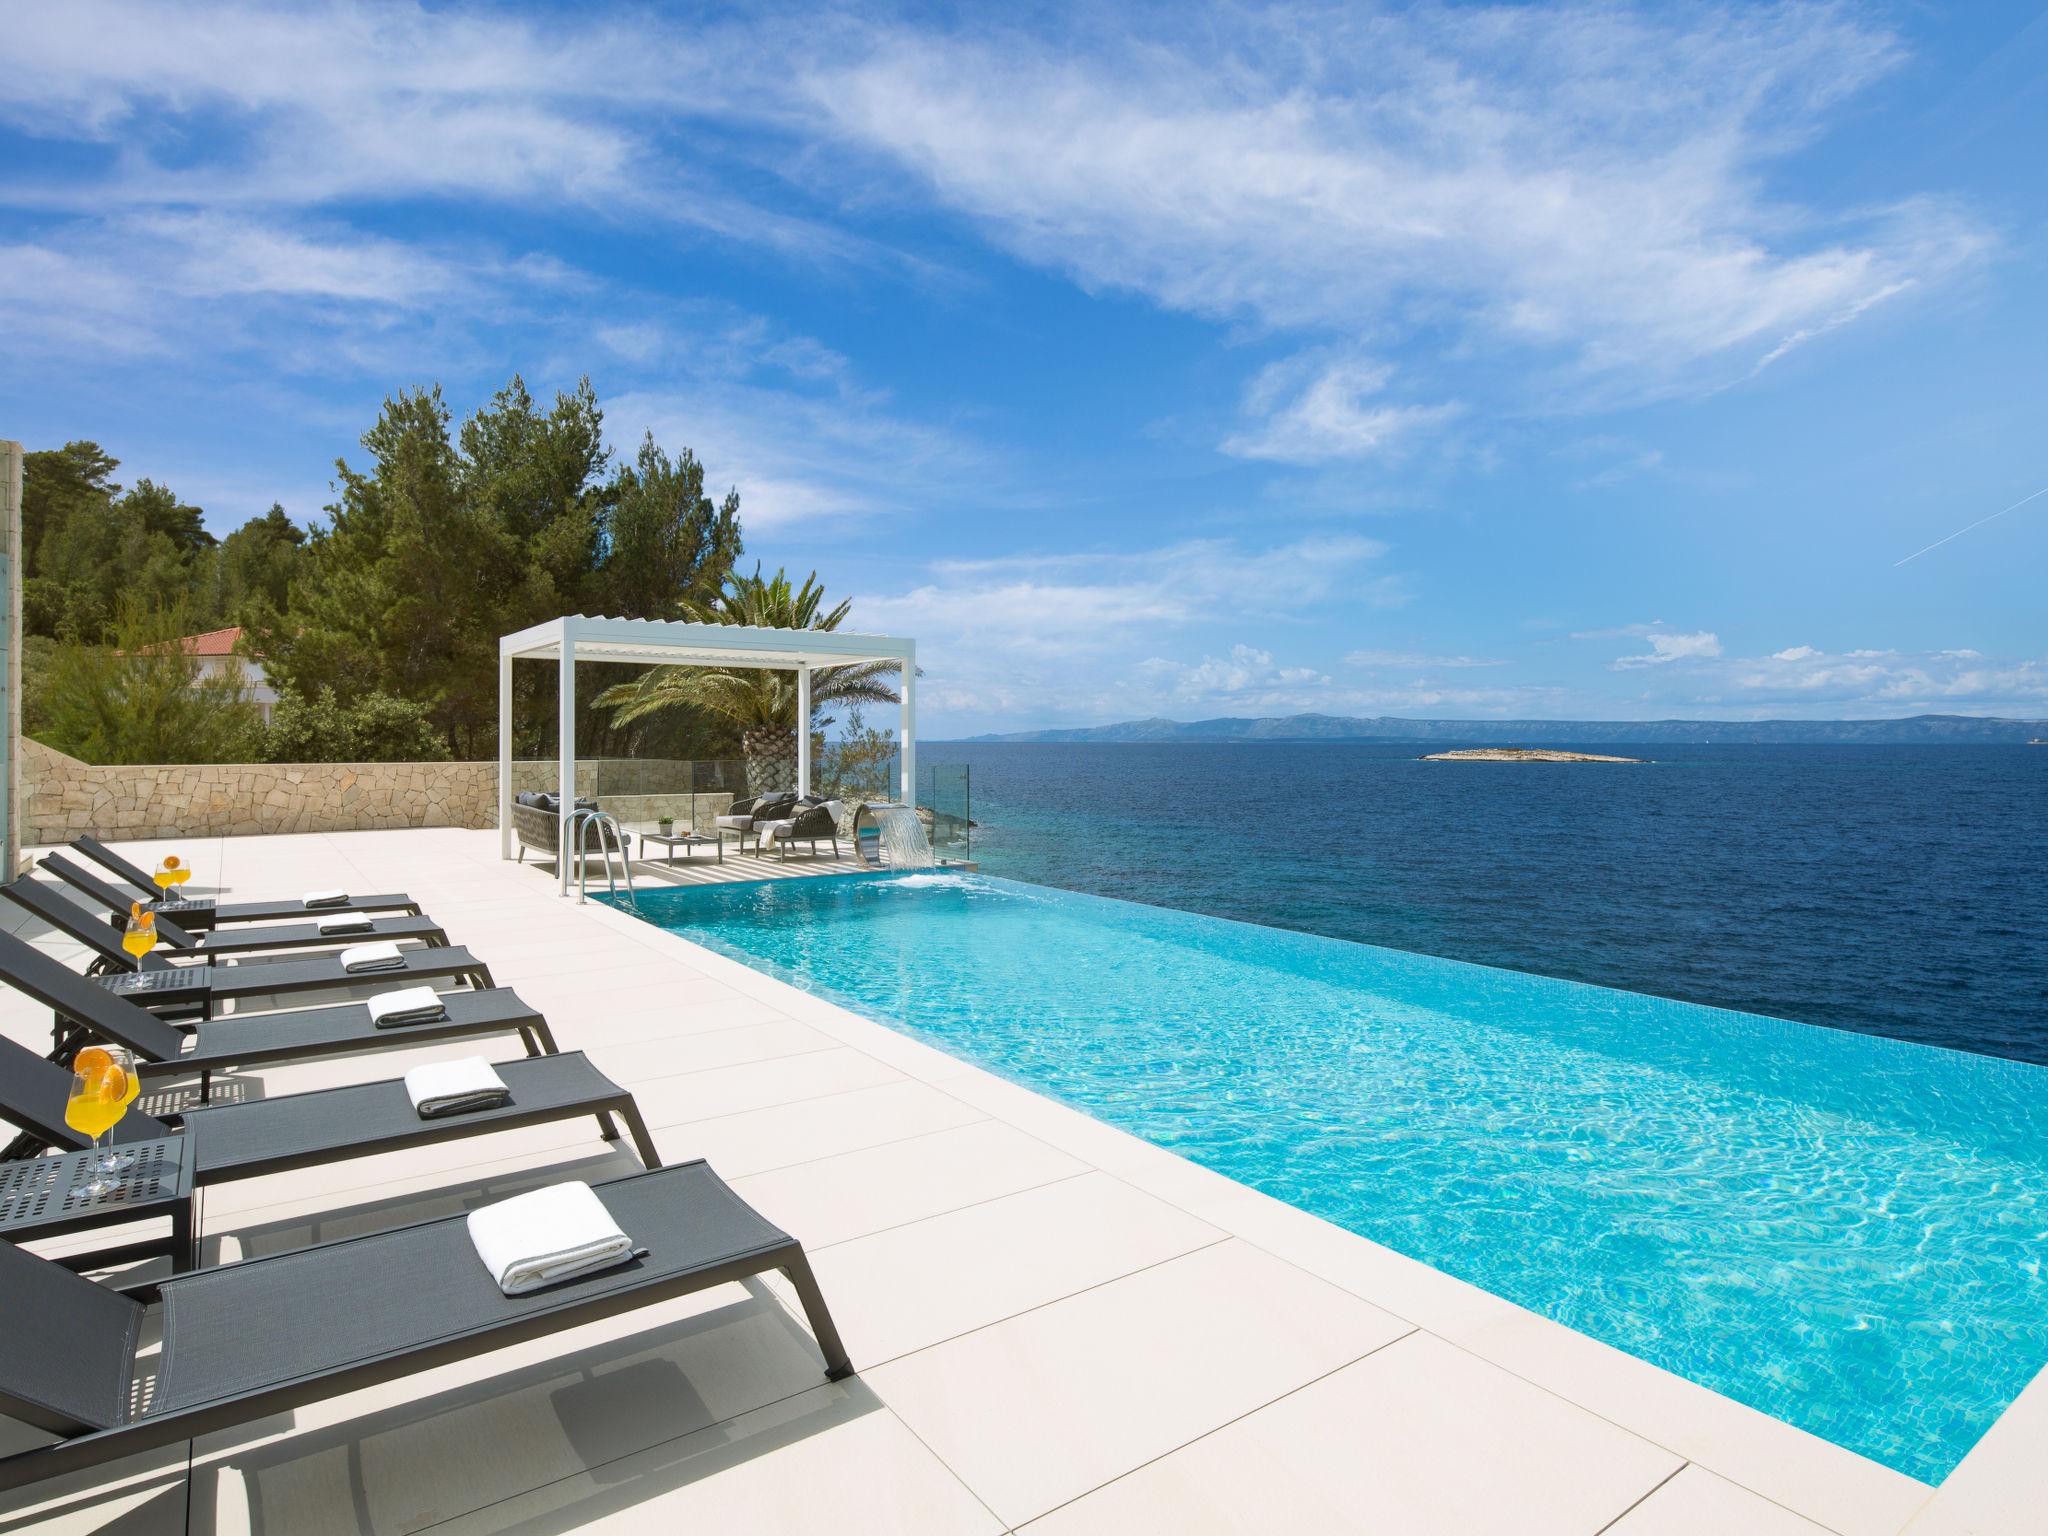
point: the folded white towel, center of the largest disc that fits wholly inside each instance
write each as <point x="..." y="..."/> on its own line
<point x="410" y="1005"/>
<point x="548" y="1235"/>
<point x="372" y="957"/>
<point x="361" y="924"/>
<point x="449" y="1087"/>
<point x="834" y="807"/>
<point x="324" y="898"/>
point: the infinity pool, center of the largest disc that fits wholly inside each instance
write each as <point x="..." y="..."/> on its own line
<point x="1842" y="1230"/>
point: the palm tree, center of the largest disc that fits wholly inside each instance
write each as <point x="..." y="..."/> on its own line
<point x="759" y="701"/>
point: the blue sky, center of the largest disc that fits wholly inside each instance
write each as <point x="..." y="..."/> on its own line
<point x="1546" y="360"/>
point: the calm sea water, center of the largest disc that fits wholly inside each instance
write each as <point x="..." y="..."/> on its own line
<point x="1895" y="890"/>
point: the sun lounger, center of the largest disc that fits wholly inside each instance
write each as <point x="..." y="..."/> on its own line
<point x="209" y="911"/>
<point x="159" y="983"/>
<point x="85" y="1009"/>
<point x="248" y="1341"/>
<point x="265" y="1136"/>
<point x="253" y="937"/>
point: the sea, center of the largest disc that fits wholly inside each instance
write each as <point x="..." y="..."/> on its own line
<point x="1895" y="890"/>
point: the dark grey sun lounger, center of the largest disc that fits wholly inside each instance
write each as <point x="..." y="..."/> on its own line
<point x="210" y="911"/>
<point x="265" y="1136"/>
<point x="246" y="1341"/>
<point x="250" y="938"/>
<point x="161" y="984"/>
<point x="84" y="1008"/>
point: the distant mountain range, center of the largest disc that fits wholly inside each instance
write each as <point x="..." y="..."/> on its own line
<point x="1916" y="730"/>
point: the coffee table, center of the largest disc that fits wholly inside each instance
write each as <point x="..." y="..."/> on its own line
<point x="683" y="840"/>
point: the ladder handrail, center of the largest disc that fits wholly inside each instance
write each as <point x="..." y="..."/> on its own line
<point x="581" y="822"/>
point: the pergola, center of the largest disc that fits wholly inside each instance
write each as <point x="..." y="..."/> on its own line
<point x="672" y="643"/>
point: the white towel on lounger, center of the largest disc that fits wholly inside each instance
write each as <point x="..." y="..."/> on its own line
<point x="408" y="1005"/>
<point x="324" y="898"/>
<point x="372" y="957"/>
<point x="548" y="1235"/>
<point x="340" y="925"/>
<point x="450" y="1087"/>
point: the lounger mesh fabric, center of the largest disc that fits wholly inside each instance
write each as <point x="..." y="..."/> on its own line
<point x="301" y="1031"/>
<point x="208" y="909"/>
<point x="67" y="1346"/>
<point x="337" y="1119"/>
<point x="228" y="941"/>
<point x="249" y="1325"/>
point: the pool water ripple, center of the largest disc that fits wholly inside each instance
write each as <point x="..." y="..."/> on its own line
<point x="1842" y="1230"/>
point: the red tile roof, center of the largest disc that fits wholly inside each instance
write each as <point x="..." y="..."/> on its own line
<point x="215" y="642"/>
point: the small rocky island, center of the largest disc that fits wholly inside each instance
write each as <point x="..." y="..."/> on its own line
<point x="1524" y="755"/>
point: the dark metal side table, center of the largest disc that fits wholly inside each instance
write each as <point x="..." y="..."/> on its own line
<point x="35" y="1200"/>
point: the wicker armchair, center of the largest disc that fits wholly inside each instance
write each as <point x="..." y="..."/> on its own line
<point x="536" y="822"/>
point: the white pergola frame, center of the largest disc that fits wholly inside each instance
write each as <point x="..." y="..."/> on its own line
<point x="672" y="643"/>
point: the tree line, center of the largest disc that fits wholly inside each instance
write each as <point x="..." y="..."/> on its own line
<point x="379" y="623"/>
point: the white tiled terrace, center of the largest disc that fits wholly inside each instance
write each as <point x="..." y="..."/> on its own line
<point x="1059" y="1328"/>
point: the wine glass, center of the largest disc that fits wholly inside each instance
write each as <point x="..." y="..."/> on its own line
<point x="171" y="871"/>
<point x="103" y="1085"/>
<point x="139" y="936"/>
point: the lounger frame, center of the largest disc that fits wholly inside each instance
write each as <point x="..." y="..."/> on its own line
<point x="573" y="1309"/>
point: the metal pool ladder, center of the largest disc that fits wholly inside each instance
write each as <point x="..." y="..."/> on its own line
<point x="581" y="823"/>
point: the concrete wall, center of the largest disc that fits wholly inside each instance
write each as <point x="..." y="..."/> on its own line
<point x="62" y="797"/>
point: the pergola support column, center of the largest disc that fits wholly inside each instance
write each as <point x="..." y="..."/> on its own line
<point x="504" y="755"/>
<point x="803" y="730"/>
<point x="566" y="700"/>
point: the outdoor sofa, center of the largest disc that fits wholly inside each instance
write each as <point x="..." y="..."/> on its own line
<point x="208" y="911"/>
<point x="259" y="1137"/>
<point x="82" y="1008"/>
<point x="248" y="1341"/>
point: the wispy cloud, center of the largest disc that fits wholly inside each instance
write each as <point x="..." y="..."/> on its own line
<point x="1575" y="183"/>
<point x="1417" y="661"/>
<point x="1314" y="410"/>
<point x="1667" y="647"/>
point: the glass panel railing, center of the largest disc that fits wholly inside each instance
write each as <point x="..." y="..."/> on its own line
<point x="944" y="791"/>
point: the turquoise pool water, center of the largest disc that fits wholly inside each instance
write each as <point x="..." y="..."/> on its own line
<point x="1843" y="1230"/>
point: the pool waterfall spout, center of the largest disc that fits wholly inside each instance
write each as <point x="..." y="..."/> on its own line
<point x="898" y="831"/>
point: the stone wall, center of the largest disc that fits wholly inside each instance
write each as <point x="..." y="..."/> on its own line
<point x="62" y="797"/>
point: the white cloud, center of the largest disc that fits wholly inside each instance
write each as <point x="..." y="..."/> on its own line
<point x="1795" y="653"/>
<point x="1581" y="183"/>
<point x="1080" y="636"/>
<point x="1422" y="660"/>
<point x="1312" y="410"/>
<point x="1667" y="647"/>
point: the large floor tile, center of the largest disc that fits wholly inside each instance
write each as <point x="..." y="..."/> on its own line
<point x="1697" y="1503"/>
<point x="434" y="1446"/>
<point x="832" y="1459"/>
<point x="831" y="1199"/>
<point x="757" y="1140"/>
<point x="733" y="1090"/>
<point x="1038" y="1410"/>
<point x="916" y="1285"/>
<point x="1419" y="1438"/>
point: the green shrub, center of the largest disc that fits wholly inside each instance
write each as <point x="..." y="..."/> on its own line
<point x="370" y="728"/>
